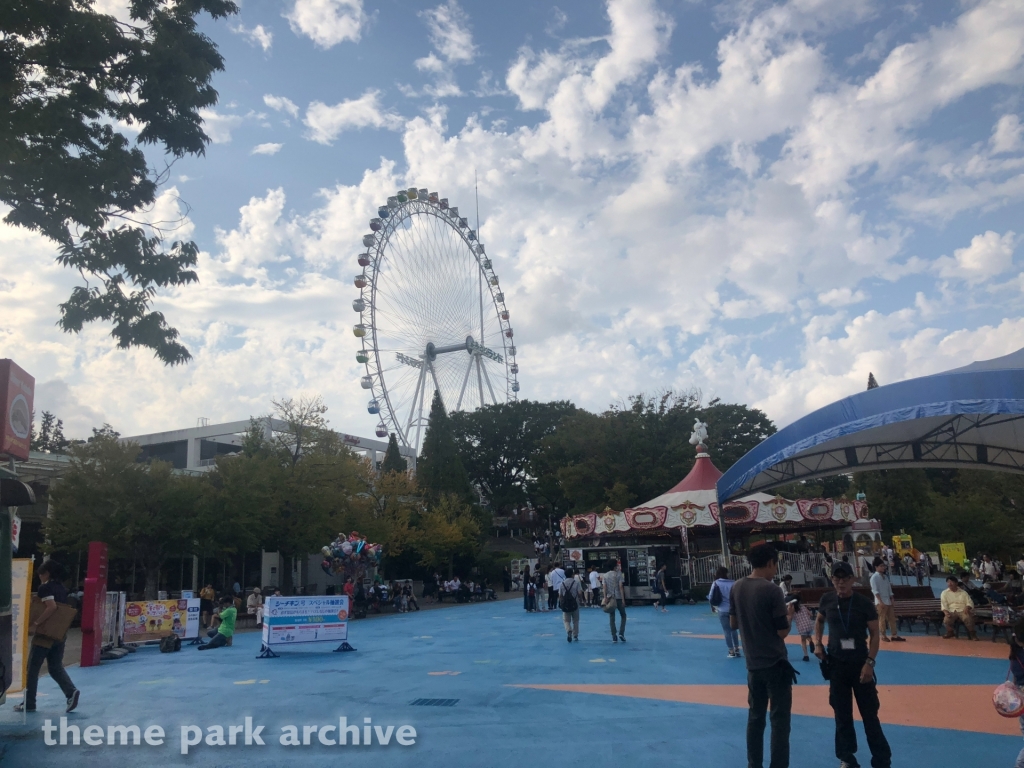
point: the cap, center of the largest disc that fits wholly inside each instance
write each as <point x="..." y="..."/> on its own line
<point x="841" y="570"/>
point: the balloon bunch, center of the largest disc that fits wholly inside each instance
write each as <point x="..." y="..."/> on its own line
<point x="350" y="556"/>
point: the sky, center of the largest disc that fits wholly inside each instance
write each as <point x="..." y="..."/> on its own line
<point x="765" y="201"/>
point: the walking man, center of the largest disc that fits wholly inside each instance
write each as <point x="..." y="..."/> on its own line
<point x="758" y="609"/>
<point x="570" y="595"/>
<point x="881" y="588"/>
<point x="661" y="587"/>
<point x="595" y="586"/>
<point x="850" y="664"/>
<point x="51" y="592"/>
<point x="613" y="590"/>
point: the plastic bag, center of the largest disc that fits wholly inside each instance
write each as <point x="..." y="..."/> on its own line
<point x="1008" y="700"/>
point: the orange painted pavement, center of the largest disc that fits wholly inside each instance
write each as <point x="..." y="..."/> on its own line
<point x="927" y="644"/>
<point x="947" y="707"/>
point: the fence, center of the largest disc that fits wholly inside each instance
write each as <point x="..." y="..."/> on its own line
<point x="806" y="567"/>
<point x="113" y="619"/>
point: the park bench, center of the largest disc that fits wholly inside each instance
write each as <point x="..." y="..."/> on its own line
<point x="811" y="596"/>
<point x="926" y="610"/>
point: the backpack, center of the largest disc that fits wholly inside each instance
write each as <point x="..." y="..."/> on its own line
<point x="567" y="602"/>
<point x="716" y="596"/>
<point x="170" y="644"/>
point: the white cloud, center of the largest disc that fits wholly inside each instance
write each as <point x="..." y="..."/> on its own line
<point x="266" y="149"/>
<point x="448" y="27"/>
<point x="860" y="126"/>
<point x="325" y="122"/>
<point x="258" y="35"/>
<point x="328" y="22"/>
<point x="987" y="256"/>
<point x="841" y="297"/>
<point x="281" y="104"/>
<point x="218" y="126"/>
<point x="1006" y="137"/>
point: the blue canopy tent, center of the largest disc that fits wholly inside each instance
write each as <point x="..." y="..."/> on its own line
<point x="971" y="417"/>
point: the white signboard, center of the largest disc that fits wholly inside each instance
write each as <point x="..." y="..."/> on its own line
<point x="315" y="619"/>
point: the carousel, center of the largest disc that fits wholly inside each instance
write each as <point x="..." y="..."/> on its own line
<point x="681" y="530"/>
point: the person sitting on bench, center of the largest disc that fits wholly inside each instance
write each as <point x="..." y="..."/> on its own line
<point x="226" y="625"/>
<point x="957" y="605"/>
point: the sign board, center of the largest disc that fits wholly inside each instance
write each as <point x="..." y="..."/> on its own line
<point x="313" y="619"/>
<point x="21" y="593"/>
<point x="953" y="553"/>
<point x="15" y="531"/>
<point x="155" y="619"/>
<point x="17" y="391"/>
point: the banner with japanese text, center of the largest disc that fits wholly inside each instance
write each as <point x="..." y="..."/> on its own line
<point x="313" y="619"/>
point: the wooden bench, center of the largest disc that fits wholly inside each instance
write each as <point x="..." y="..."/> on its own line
<point x="926" y="610"/>
<point x="904" y="592"/>
<point x="811" y="596"/>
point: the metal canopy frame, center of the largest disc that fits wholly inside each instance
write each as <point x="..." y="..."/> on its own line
<point x="968" y="418"/>
<point x="941" y="448"/>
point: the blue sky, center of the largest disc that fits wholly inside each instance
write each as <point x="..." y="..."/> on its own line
<point x="762" y="200"/>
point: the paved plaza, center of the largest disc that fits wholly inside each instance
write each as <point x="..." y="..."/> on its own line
<point x="522" y="694"/>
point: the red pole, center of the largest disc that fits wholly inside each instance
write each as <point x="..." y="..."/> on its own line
<point x="93" y="604"/>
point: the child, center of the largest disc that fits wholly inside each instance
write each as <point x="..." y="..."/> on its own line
<point x="804" y="624"/>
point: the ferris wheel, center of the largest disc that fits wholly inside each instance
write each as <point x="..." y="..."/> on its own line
<point x="431" y="316"/>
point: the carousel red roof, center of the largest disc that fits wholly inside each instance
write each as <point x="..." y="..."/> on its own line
<point x="703" y="476"/>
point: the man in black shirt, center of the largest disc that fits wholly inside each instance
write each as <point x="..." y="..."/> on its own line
<point x="850" y="665"/>
<point x="51" y="592"/>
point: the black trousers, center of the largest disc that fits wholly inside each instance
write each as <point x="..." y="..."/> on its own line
<point x="54" y="658"/>
<point x="774" y="685"/>
<point x="844" y="687"/>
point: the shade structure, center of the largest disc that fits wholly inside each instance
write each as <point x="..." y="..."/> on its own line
<point x="971" y="417"/>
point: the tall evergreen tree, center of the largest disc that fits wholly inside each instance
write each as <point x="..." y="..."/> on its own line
<point x="440" y="469"/>
<point x="393" y="460"/>
<point x="872" y="384"/>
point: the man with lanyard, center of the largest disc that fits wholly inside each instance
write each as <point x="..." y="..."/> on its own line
<point x="849" y="666"/>
<point x="50" y="592"/>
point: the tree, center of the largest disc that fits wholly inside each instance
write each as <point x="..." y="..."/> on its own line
<point x="316" y="479"/>
<point x="70" y="77"/>
<point x="446" y="530"/>
<point x="393" y="460"/>
<point x="307" y="425"/>
<point x="638" y="449"/>
<point x="439" y="469"/>
<point x="143" y="511"/>
<point x="386" y="508"/>
<point x="51" y="435"/>
<point x="872" y="384"/>
<point x="498" y="443"/>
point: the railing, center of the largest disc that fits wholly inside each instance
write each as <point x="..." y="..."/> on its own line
<point x="113" y="618"/>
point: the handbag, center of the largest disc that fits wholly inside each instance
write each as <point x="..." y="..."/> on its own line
<point x="608" y="605"/>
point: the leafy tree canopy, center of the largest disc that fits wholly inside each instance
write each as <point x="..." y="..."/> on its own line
<point x="69" y="76"/>
<point x="499" y="443"/>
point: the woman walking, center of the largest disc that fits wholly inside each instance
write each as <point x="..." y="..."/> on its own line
<point x="719" y="599"/>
